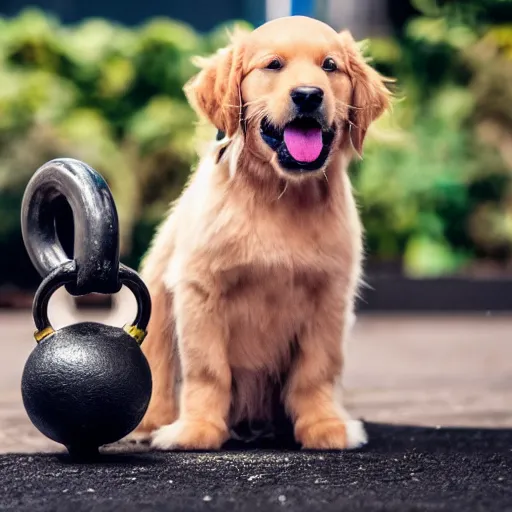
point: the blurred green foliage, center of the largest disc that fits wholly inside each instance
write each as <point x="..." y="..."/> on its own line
<point x="105" y="94"/>
<point x="434" y="186"/>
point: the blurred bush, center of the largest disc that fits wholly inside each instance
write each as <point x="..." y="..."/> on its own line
<point x="435" y="185"/>
<point x="105" y="94"/>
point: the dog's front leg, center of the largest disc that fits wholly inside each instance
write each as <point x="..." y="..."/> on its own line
<point x="311" y="396"/>
<point x="206" y="375"/>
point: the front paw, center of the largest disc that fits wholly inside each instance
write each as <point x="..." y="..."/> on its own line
<point x="331" y="434"/>
<point x="189" y="435"/>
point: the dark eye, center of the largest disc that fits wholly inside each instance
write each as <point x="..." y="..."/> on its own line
<point x="274" y="64"/>
<point x="329" y="64"/>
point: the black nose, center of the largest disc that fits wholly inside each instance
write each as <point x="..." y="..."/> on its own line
<point x="307" y="99"/>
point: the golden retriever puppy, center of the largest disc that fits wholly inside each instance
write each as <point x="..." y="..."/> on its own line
<point x="254" y="272"/>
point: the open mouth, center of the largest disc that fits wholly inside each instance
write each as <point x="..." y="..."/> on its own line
<point x="302" y="145"/>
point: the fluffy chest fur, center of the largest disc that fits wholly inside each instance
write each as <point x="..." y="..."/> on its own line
<point x="264" y="261"/>
<point x="264" y="309"/>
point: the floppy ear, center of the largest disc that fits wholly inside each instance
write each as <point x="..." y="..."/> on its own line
<point x="215" y="91"/>
<point x="370" y="96"/>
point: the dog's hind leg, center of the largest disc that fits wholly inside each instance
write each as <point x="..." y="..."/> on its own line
<point x="160" y="347"/>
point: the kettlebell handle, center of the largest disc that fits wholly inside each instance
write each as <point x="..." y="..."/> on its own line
<point x="96" y="225"/>
<point x="95" y="265"/>
<point x="67" y="273"/>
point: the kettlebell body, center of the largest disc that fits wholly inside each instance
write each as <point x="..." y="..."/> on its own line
<point x="86" y="385"/>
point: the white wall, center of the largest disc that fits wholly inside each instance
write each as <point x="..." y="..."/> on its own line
<point x="362" y="17"/>
<point x="277" y="8"/>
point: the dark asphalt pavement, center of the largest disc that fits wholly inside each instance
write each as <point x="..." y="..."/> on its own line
<point x="403" y="468"/>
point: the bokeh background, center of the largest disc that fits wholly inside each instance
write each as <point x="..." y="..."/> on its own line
<point x="102" y="82"/>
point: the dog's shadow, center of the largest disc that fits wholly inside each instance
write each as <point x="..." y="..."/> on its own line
<point x="384" y="440"/>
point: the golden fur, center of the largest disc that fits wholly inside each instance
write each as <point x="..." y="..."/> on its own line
<point x="254" y="272"/>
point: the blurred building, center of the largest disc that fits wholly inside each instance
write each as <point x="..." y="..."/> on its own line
<point x="361" y="16"/>
<point x="202" y="14"/>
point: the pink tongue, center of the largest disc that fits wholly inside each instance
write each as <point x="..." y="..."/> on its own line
<point x="304" y="145"/>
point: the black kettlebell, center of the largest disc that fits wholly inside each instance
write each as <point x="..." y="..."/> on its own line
<point x="87" y="384"/>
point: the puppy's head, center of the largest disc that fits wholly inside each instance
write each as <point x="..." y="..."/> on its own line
<point x="292" y="87"/>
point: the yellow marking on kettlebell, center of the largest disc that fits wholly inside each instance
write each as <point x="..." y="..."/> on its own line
<point x="135" y="332"/>
<point x="43" y="333"/>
